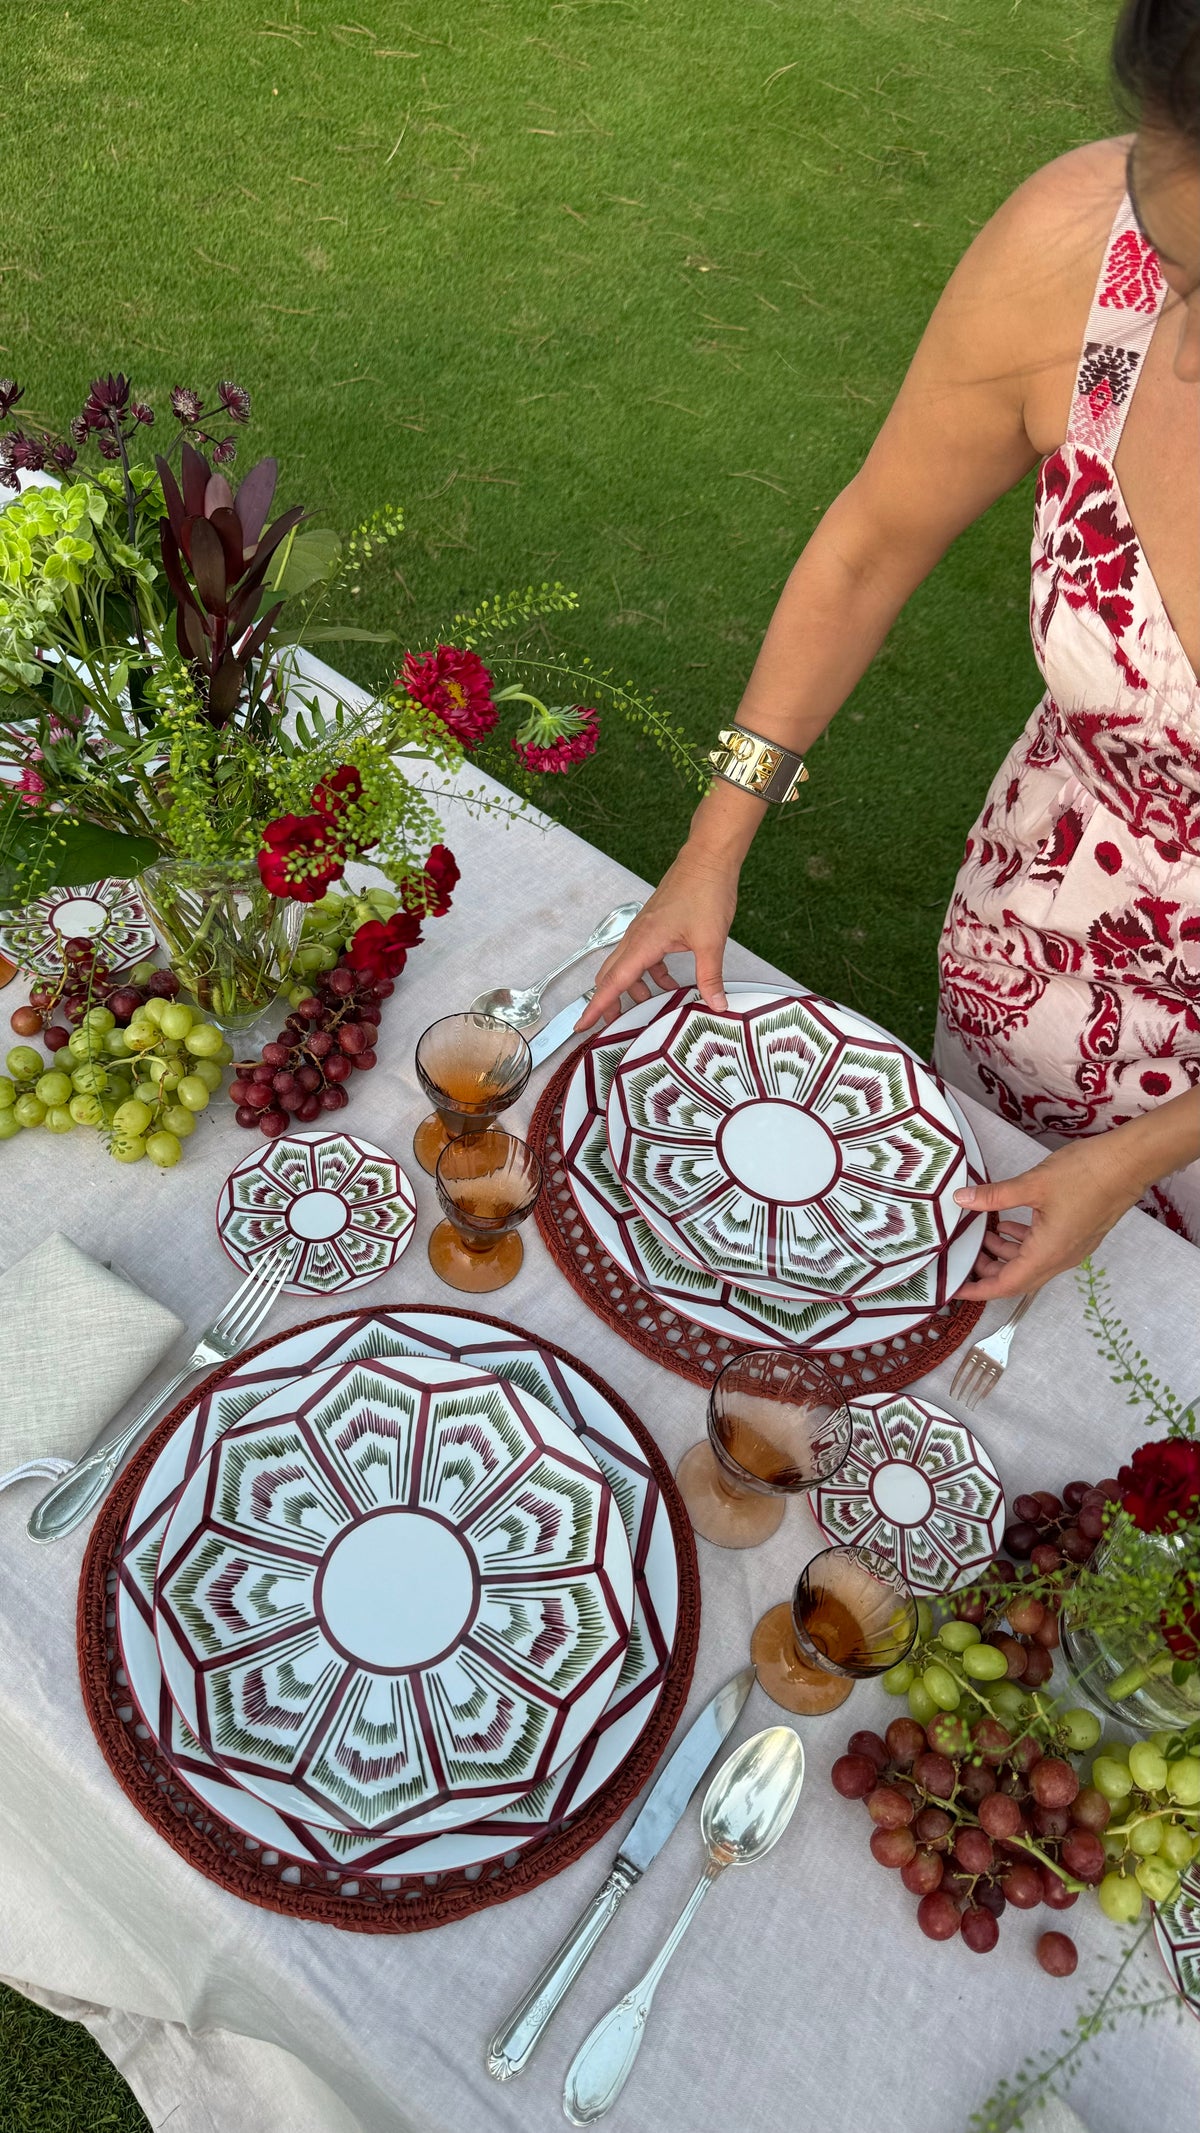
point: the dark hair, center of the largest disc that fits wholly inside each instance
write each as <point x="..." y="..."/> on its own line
<point x="1156" y="62"/>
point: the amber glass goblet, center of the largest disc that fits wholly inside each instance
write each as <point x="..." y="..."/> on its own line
<point x="852" y="1614"/>
<point x="473" y="1067"/>
<point x="487" y="1183"/>
<point x="777" y="1425"/>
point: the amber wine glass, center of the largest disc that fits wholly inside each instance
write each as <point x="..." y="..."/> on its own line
<point x="472" y="1067"/>
<point x="487" y="1183"/>
<point x="852" y="1615"/>
<point x="777" y="1425"/>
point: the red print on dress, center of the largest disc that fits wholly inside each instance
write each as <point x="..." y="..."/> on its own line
<point x="1132" y="281"/>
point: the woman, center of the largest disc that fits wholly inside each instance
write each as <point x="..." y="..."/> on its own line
<point x="1070" y="957"/>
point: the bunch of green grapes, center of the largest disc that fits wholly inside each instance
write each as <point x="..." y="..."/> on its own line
<point x="329" y="927"/>
<point x="142" y="1086"/>
<point x="1152" y="1830"/>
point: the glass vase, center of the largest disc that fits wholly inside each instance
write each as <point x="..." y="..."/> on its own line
<point x="231" y="943"/>
<point x="1127" y="1674"/>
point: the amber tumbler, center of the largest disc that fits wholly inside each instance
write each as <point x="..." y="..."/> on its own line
<point x="487" y="1184"/>
<point x="472" y="1067"/>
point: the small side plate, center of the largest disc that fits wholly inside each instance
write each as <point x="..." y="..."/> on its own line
<point x="917" y="1485"/>
<point x="346" y="1207"/>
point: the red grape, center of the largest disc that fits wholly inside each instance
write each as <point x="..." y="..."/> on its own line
<point x="320" y="1043"/>
<point x="922" y="1873"/>
<point x="364" y="1061"/>
<point x="979" y="1929"/>
<point x="385" y="987"/>
<point x="1020" y="1539"/>
<point x="1051" y="1506"/>
<point x="310" y="1010"/>
<point x="1057" y="1954"/>
<point x="351" y="1038"/>
<point x="338" y="1067"/>
<point x="309" y="1078"/>
<point x="1015" y="1654"/>
<point x="991" y="1896"/>
<point x="263" y="1074"/>
<point x="1046" y="1634"/>
<point x="905" y="1741"/>
<point x="936" y="1773"/>
<point x="889" y="1807"/>
<point x="1053" y="1782"/>
<point x="275" y="1055"/>
<point x="1082" y="1854"/>
<point x="999" y="1815"/>
<point x="932" y="1825"/>
<point x="1076" y="1545"/>
<point x="1110" y="1489"/>
<point x="1051" y="1823"/>
<point x="124" y="1001"/>
<point x="1055" y="1892"/>
<point x="973" y="1850"/>
<point x="991" y="1740"/>
<point x="1000" y="1573"/>
<point x="1046" y="1558"/>
<point x="55" y="1037"/>
<point x="893" y="1847"/>
<point x="246" y="1115"/>
<point x="1090" y="1809"/>
<point x="854" y="1776"/>
<point x="864" y="1743"/>
<point x="937" y="1916"/>
<point x="1038" y="1667"/>
<point x="340" y="981"/>
<point x="26" y="1021"/>
<point x="333" y="1099"/>
<point x="1024" y="1753"/>
<point x="1029" y="1510"/>
<point x="975" y="1783"/>
<point x="74" y="1009"/>
<point x="163" y="983"/>
<point x="272" y="1122"/>
<point x="1074" y="1494"/>
<point x="1023" y="1884"/>
<point x="309" y="1109"/>
<point x="948" y="1733"/>
<point x="238" y="1088"/>
<point x="958" y="1884"/>
<point x="1091" y="1521"/>
<point x="1024" y="1615"/>
<point x="257" y="1096"/>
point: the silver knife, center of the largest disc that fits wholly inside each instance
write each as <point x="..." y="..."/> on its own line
<point x="514" y="2041"/>
<point x="558" y="1029"/>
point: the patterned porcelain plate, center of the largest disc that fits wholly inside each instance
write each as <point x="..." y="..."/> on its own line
<point x="363" y="1335"/>
<point x="398" y="1594"/>
<point x="781" y="1145"/>
<point x="919" y="1487"/>
<point x="1177" y="1931"/>
<point x="725" y="1307"/>
<point x="109" y="913"/>
<point x="348" y="1207"/>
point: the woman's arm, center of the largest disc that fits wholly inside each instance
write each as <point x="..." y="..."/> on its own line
<point x="954" y="440"/>
<point x="1076" y="1195"/>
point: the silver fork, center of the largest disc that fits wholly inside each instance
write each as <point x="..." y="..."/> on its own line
<point x="89" y="1479"/>
<point x="984" y="1365"/>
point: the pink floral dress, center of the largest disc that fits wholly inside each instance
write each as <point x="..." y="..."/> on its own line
<point x="1070" y="955"/>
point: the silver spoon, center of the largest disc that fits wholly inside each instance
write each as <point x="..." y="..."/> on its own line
<point x="746" y="1810"/>
<point x="521" y="1005"/>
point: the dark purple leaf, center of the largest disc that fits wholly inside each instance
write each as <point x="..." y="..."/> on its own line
<point x="190" y="636"/>
<point x="253" y="644"/>
<point x="208" y="567"/>
<point x="195" y="472"/>
<point x="227" y="524"/>
<point x="253" y="499"/>
<point x="225" y="689"/>
<point x="218" y="496"/>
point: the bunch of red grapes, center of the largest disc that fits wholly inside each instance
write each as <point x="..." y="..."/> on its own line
<point x="1049" y="1531"/>
<point x="326" y="1038"/>
<point x="87" y="982"/>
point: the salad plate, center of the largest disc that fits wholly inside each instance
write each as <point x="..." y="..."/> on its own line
<point x="362" y="1335"/>
<point x="344" y="1209"/>
<point x="918" y="1486"/>
<point x="397" y="1594"/>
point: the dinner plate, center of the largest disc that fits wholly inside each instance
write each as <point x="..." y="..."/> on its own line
<point x="917" y="1485"/>
<point x="363" y="1334"/>
<point x="1177" y="1931"/>
<point x="397" y="1594"/>
<point x="783" y="1145"/>
<point x="728" y="1308"/>
<point x="344" y="1209"/>
<point x="108" y="913"/>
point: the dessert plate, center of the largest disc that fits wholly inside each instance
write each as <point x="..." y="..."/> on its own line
<point x="785" y="1145"/>
<point x="346" y="1207"/>
<point x="919" y="1487"/>
<point x="396" y="1595"/>
<point x="108" y="913"/>
<point x="364" y="1334"/>
<point x="1177" y="1931"/>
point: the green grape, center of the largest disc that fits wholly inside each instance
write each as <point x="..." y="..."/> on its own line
<point x="163" y="1149"/>
<point x="87" y="1111"/>
<point x="10" y="1125"/>
<point x="153" y="1067"/>
<point x="957" y="1635"/>
<point x="296" y="993"/>
<point x="364" y="913"/>
<point x="1160" y="1740"/>
<point x="1145" y="1838"/>
<point x="921" y="1703"/>
<point x="58" y="1119"/>
<point x="141" y="973"/>
<point x="100" y="1018"/>
<point x="312" y="956"/>
<point x="939" y="1683"/>
<point x="145" y="1092"/>
<point x="982" y="1662"/>
<point x="225" y="1054"/>
<point x="53" y="1088"/>
<point x="116" y="1044"/>
<point x="208" y="1071"/>
<point x="1147" y="1766"/>
<point x="1159" y="1880"/>
<point x="178" y="1121"/>
<point x="1007" y="1700"/>
<point x="384" y="900"/>
<point x="131" y="1120"/>
<point x="1182" y="1781"/>
<point x="140" y="1036"/>
<point x="171" y="1079"/>
<point x="1177" y="1847"/>
<point x="127" y="1148"/>
<point x="899" y="1678"/>
<point x="81" y="1043"/>
<point x="1120" y="1898"/>
<point x="89" y="1079"/>
<point x="1081" y="1727"/>
<point x="8" y="1093"/>
<point x="23" y="1063"/>
<point x="1114" y="1848"/>
<point x="176" y="1019"/>
<point x="152" y="1010"/>
<point x="203" y="1042"/>
<point x="192" y="1092"/>
<point x="1112" y="1778"/>
<point x="29" y="1110"/>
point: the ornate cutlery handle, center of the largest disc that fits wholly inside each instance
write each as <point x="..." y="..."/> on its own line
<point x="73" y="1497"/>
<point x="604" y="2061"/>
<point x="511" y="2047"/>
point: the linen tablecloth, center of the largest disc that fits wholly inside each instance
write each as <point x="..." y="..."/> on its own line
<point x="805" y="1999"/>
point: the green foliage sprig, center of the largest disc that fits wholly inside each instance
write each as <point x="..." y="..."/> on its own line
<point x="1127" y="1365"/>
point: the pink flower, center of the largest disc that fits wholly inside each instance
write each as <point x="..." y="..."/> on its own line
<point x="457" y="686"/>
<point x="31" y="786"/>
<point x="576" y="740"/>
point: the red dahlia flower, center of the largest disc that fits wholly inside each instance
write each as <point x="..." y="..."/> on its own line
<point x="380" y="950"/>
<point x="429" y="895"/>
<point x="338" y="791"/>
<point x="300" y="856"/>
<point x="1160" y="1488"/>
<point x="457" y="686"/>
<point x="557" y="739"/>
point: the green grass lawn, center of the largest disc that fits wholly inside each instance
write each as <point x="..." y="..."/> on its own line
<point x="612" y="291"/>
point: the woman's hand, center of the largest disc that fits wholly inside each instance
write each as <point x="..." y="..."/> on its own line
<point x="692" y="908"/>
<point x="1075" y="1196"/>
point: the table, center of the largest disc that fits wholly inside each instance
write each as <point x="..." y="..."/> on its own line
<point x="805" y="1998"/>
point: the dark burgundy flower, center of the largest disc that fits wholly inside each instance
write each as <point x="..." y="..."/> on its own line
<point x="234" y="399"/>
<point x="1182" y="1638"/>
<point x="457" y="687"/>
<point x="108" y="447"/>
<point x="108" y="396"/>
<point x="224" y="453"/>
<point x="81" y="428"/>
<point x="141" y="413"/>
<point x="429" y="895"/>
<point x="10" y="393"/>
<point x="1160" y="1488"/>
<point x="25" y="451"/>
<point x="186" y="405"/>
<point x="379" y="949"/>
<point x="300" y="856"/>
<point x="62" y="456"/>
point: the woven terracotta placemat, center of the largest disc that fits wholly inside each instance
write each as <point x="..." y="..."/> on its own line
<point x="662" y="1332"/>
<point x="331" y="1896"/>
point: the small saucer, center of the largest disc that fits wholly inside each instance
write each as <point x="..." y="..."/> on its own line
<point x="347" y="1208"/>
<point x="919" y="1487"/>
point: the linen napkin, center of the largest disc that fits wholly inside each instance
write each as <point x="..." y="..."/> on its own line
<point x="75" y="1341"/>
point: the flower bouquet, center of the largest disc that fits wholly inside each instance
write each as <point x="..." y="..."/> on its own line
<point x="153" y="719"/>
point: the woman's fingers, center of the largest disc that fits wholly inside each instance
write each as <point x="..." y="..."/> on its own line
<point x="998" y="1193"/>
<point x="617" y="974"/>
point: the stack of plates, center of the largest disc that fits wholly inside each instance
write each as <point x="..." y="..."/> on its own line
<point x="399" y="1595"/>
<point x="783" y="1171"/>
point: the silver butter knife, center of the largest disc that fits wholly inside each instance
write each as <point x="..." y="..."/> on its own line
<point x="558" y="1029"/>
<point x="514" y="2041"/>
